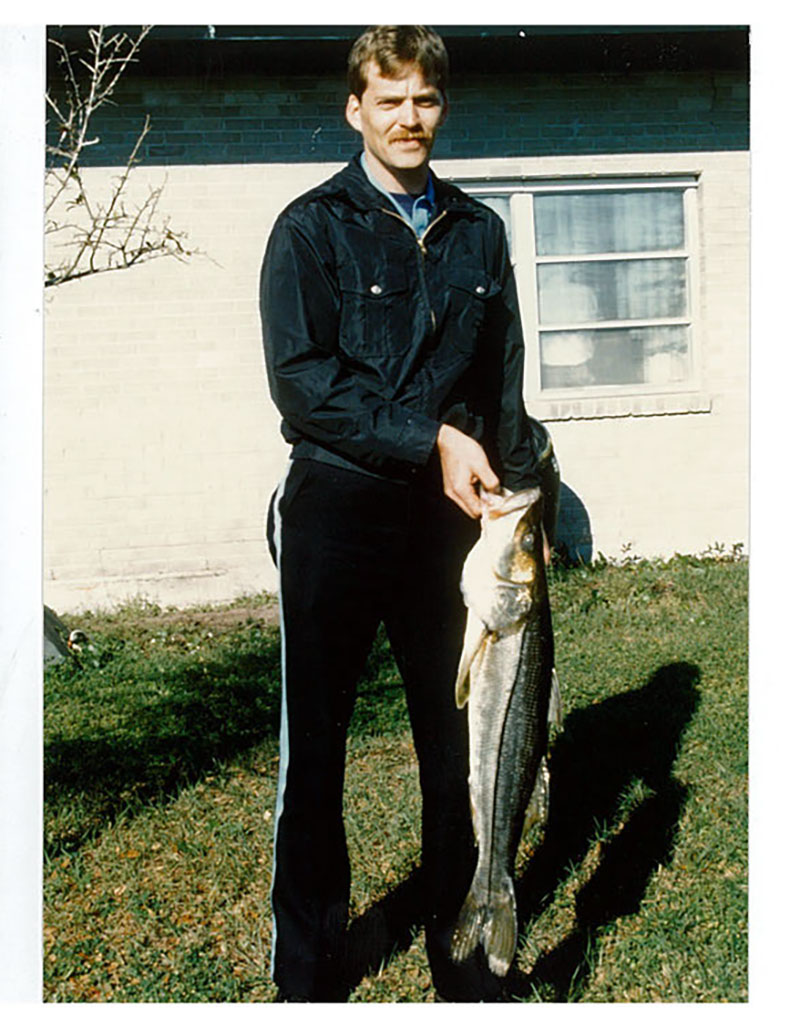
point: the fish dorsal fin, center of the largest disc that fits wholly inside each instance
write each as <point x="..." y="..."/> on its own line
<point x="475" y="636"/>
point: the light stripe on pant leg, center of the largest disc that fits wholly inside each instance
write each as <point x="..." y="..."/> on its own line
<point x="283" y="763"/>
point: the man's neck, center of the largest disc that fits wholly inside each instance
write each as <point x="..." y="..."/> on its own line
<point x="412" y="181"/>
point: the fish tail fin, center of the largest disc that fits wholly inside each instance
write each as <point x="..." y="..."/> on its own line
<point x="492" y="922"/>
<point x="467" y="932"/>
<point x="499" y="930"/>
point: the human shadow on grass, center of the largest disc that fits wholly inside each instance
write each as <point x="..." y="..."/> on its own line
<point x="603" y="749"/>
<point x="383" y="930"/>
<point x="209" y="713"/>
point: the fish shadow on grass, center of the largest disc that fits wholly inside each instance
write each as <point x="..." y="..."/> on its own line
<point x="603" y="750"/>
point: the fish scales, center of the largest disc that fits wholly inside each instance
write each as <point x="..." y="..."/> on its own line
<point x="524" y="739"/>
<point x="506" y="675"/>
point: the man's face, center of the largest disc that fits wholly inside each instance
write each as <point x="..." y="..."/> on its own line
<point x="398" y="119"/>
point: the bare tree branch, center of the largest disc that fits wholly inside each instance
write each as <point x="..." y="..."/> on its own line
<point x="97" y="233"/>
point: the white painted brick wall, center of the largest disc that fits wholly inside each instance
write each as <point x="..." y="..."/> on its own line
<point x="162" y="446"/>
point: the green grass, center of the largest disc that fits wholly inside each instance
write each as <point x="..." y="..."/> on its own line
<point x="160" y="773"/>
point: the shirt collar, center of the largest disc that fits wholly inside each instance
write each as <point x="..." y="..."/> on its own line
<point x="422" y="207"/>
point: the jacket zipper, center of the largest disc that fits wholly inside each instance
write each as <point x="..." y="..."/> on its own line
<point x="420" y="240"/>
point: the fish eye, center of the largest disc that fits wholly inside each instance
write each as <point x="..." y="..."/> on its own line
<point x="527" y="541"/>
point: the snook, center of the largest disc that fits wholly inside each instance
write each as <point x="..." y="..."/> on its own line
<point x="506" y="674"/>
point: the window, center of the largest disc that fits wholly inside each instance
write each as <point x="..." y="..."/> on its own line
<point x="605" y="275"/>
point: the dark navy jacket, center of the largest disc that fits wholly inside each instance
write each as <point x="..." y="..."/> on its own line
<point x="373" y="338"/>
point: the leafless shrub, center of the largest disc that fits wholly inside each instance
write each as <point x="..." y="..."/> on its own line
<point x="90" y="233"/>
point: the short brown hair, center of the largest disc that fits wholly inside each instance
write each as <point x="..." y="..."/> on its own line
<point x="391" y="47"/>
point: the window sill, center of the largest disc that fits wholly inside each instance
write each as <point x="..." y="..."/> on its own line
<point x="601" y="407"/>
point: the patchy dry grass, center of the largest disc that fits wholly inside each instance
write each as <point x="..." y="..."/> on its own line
<point x="161" y="765"/>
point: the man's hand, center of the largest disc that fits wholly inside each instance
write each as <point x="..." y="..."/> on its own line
<point x="464" y="465"/>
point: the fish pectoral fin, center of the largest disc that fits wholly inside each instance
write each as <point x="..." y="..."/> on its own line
<point x="475" y="637"/>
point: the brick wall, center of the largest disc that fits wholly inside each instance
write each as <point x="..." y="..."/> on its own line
<point x="260" y="119"/>
<point x="161" y="446"/>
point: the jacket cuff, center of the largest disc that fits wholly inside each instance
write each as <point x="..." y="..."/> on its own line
<point x="419" y="439"/>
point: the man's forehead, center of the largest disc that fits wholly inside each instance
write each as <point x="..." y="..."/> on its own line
<point x="409" y="78"/>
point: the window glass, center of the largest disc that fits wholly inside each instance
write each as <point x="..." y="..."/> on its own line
<point x="500" y="205"/>
<point x="607" y="356"/>
<point x="611" y="290"/>
<point x="609" y="222"/>
<point x="599" y="268"/>
<point x="625" y="232"/>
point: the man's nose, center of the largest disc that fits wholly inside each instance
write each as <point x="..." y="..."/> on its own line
<point x="409" y="114"/>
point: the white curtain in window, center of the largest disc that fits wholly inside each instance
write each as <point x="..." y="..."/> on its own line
<point x="608" y="222"/>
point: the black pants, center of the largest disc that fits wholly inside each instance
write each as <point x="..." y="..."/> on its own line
<point x="353" y="551"/>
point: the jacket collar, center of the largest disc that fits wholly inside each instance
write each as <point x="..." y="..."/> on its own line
<point x="352" y="185"/>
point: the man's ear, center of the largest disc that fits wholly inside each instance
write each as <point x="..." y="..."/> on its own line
<point x="352" y="112"/>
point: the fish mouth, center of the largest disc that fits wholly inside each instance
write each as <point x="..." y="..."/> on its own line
<point x="501" y="505"/>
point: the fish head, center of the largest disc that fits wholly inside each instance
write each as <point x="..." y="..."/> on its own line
<point x="504" y="571"/>
<point x="511" y="528"/>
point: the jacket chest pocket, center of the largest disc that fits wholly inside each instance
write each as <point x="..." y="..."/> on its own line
<point x="377" y="312"/>
<point x="469" y="291"/>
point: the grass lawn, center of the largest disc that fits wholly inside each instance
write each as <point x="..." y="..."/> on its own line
<point x="160" y="772"/>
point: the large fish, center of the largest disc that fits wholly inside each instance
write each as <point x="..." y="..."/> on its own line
<point x="506" y="675"/>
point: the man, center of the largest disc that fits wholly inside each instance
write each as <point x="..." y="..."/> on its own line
<point x="395" y="356"/>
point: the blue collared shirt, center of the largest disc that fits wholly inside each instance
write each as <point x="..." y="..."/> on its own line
<point x="416" y="210"/>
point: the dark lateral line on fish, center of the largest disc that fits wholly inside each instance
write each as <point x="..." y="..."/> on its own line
<point x="516" y="684"/>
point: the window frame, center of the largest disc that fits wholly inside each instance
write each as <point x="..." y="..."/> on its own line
<point x="608" y="399"/>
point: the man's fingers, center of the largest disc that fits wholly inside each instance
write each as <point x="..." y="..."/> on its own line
<point x="464" y="467"/>
<point x="488" y="478"/>
<point x="472" y="501"/>
<point x="466" y="498"/>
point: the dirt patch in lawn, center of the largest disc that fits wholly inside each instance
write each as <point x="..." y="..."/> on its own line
<point x="141" y="623"/>
<point x="220" y="620"/>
